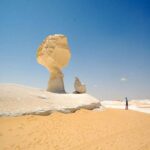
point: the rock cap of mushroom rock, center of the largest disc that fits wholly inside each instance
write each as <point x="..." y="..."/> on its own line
<point x="54" y="51"/>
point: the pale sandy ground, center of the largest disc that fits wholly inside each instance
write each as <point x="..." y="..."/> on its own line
<point x="82" y="130"/>
<point x="137" y="105"/>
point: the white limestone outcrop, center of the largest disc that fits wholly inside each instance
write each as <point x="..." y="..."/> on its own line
<point x="16" y="100"/>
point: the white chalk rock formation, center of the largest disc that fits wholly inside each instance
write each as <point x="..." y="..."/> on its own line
<point x="79" y="88"/>
<point x="54" y="54"/>
<point x="16" y="100"/>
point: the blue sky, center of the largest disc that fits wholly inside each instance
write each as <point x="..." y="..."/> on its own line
<point x="109" y="42"/>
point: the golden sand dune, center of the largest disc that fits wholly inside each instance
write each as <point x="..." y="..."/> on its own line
<point x="82" y="130"/>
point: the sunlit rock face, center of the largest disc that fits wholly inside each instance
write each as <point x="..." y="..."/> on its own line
<point x="79" y="88"/>
<point x="54" y="54"/>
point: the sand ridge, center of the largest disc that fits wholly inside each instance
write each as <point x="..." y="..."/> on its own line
<point x="84" y="129"/>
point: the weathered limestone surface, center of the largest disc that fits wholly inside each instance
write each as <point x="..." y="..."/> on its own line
<point x="16" y="100"/>
<point x="79" y="88"/>
<point x="54" y="54"/>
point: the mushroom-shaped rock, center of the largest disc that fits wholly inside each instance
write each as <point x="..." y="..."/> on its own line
<point x="54" y="54"/>
<point x="79" y="88"/>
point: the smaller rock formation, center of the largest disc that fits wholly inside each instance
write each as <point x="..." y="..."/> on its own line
<point x="79" y="88"/>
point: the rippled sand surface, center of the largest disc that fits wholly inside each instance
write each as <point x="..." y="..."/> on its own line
<point x="82" y="130"/>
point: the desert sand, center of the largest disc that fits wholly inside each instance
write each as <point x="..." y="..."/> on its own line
<point x="83" y="130"/>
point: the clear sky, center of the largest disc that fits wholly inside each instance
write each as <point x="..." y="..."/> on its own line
<point x="109" y="42"/>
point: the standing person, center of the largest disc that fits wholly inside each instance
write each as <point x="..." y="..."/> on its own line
<point x="126" y="107"/>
